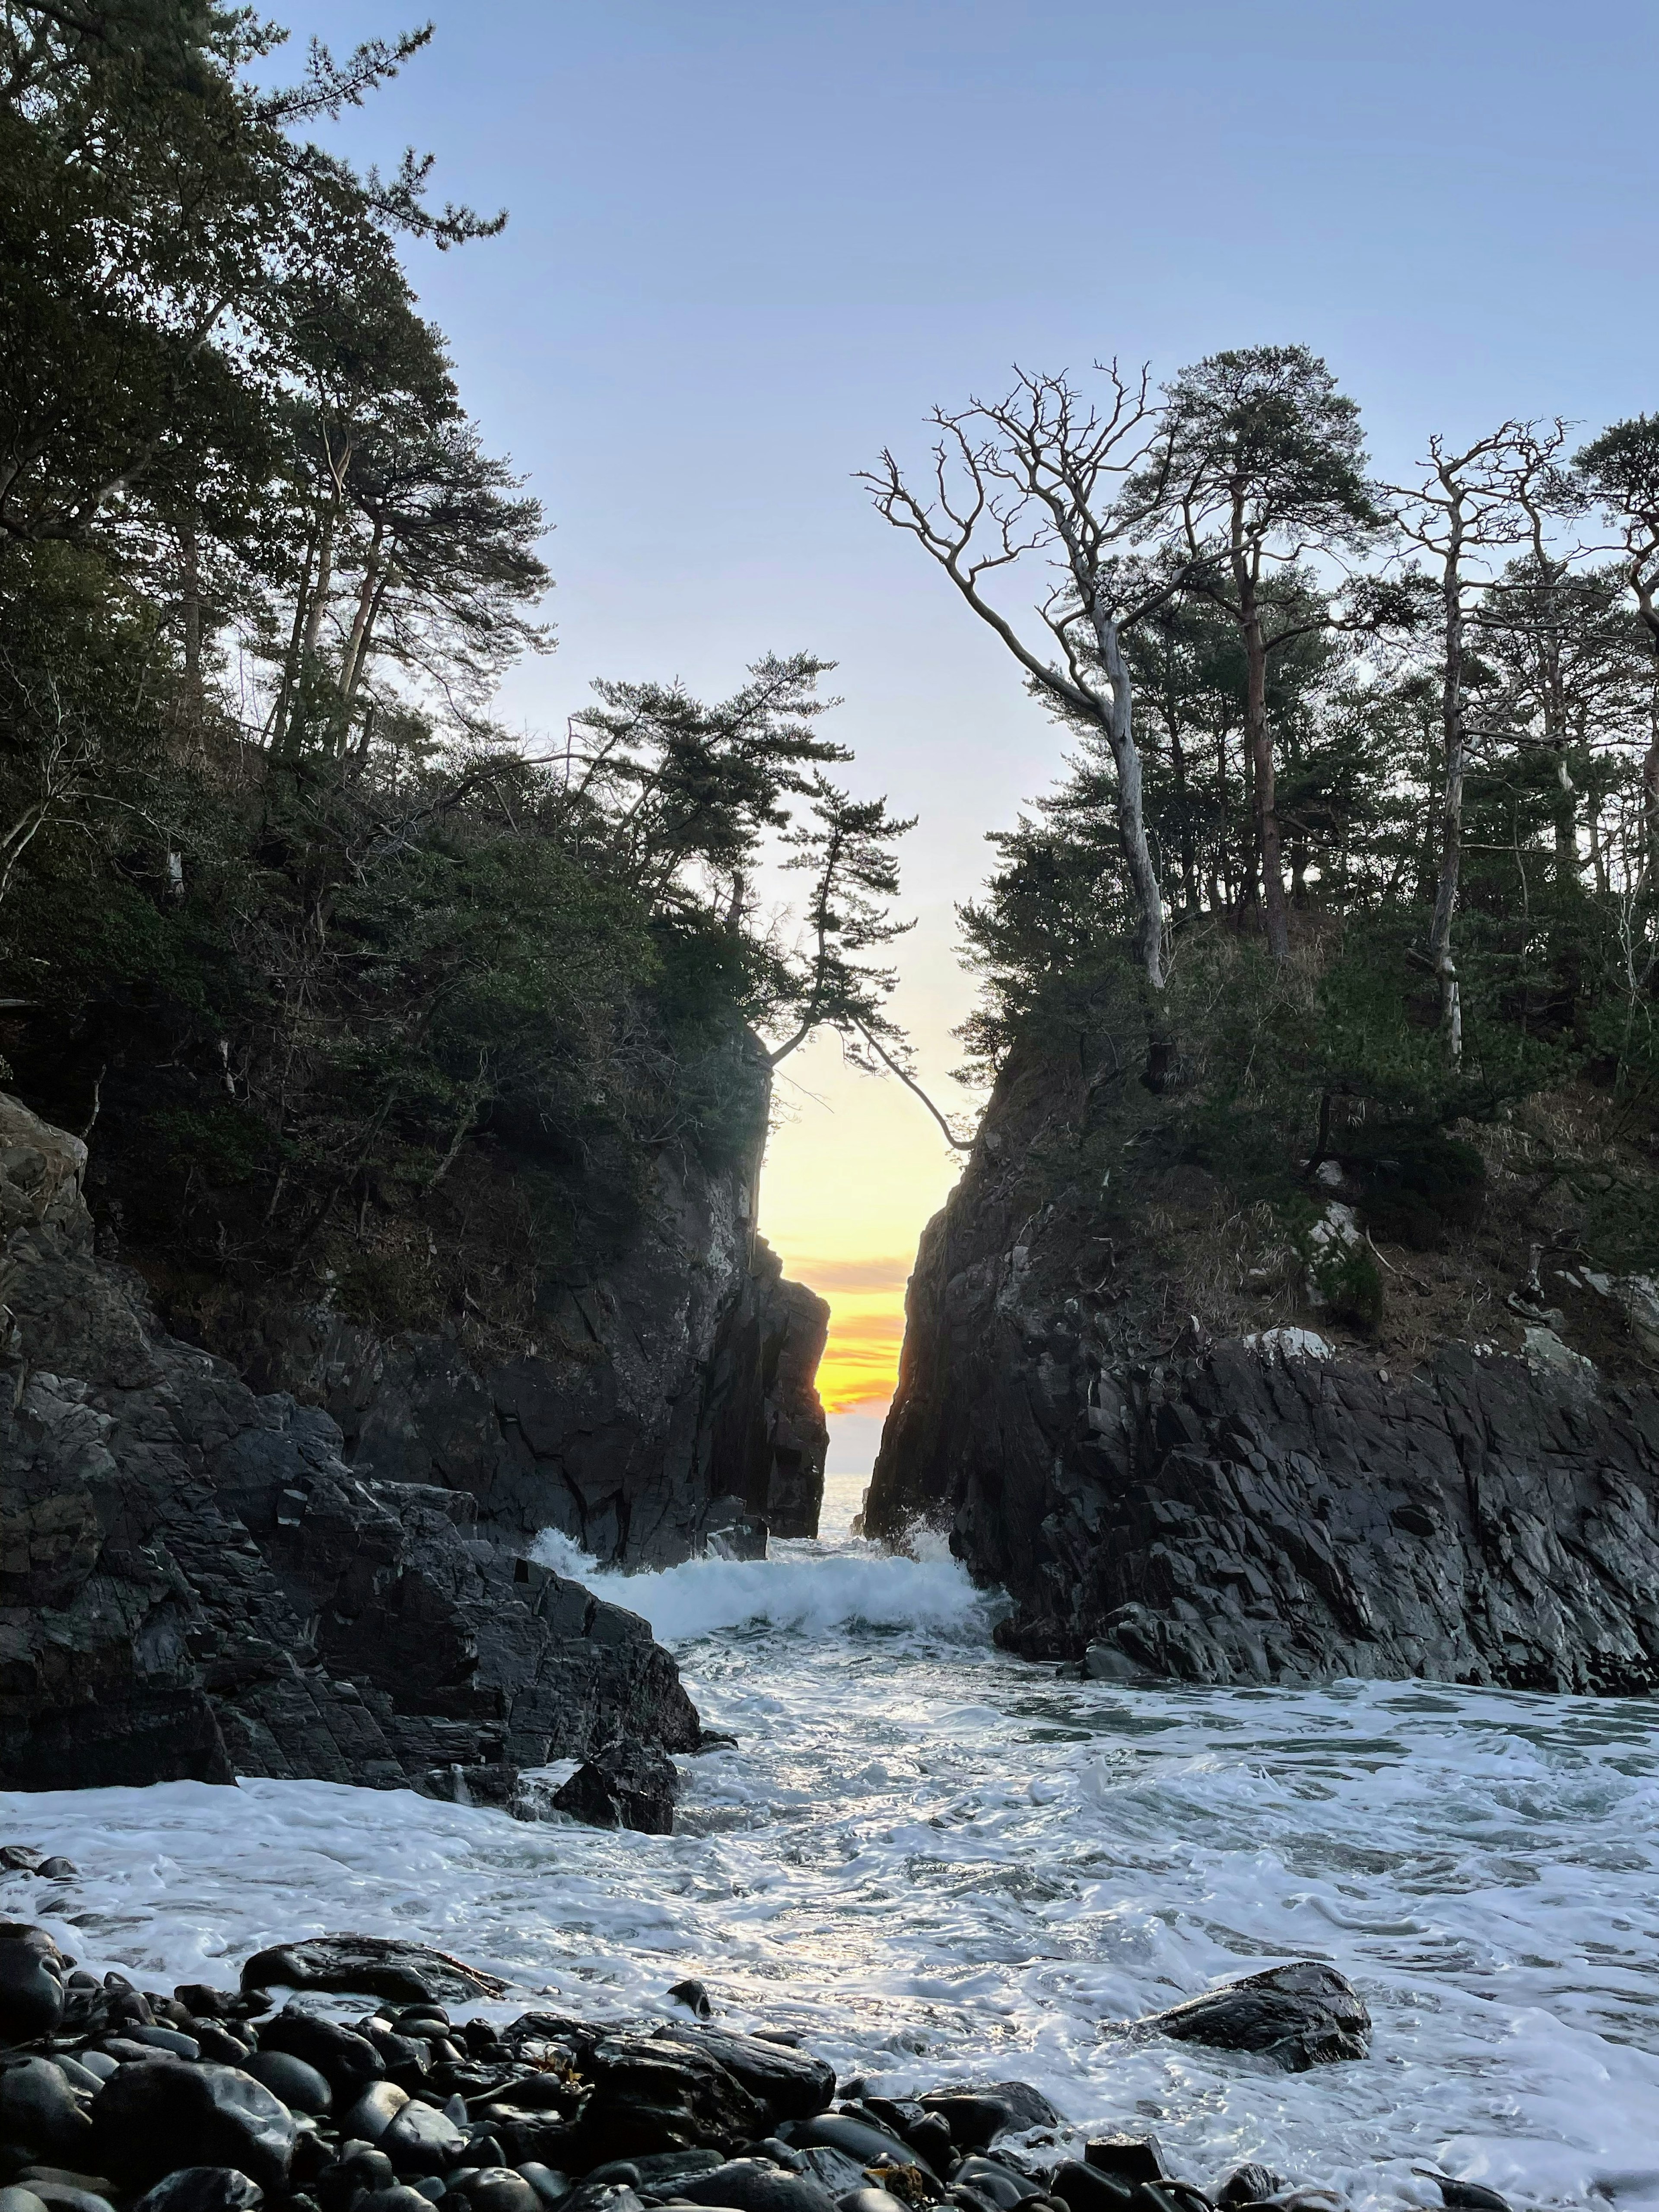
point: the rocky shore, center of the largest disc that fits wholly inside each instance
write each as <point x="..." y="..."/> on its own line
<point x="391" y="2080"/>
<point x="195" y="1583"/>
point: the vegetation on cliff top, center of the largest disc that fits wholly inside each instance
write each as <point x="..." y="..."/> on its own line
<point x="358" y="990"/>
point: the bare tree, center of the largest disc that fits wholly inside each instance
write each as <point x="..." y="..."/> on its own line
<point x="1044" y="475"/>
<point x="1464" y="508"/>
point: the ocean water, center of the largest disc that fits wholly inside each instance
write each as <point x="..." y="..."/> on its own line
<point x="939" y="1863"/>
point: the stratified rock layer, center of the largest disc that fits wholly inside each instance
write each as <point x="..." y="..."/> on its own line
<point x="194" y="1583"/>
<point x="1244" y="1516"/>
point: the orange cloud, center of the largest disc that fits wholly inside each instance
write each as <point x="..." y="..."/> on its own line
<point x="861" y="1361"/>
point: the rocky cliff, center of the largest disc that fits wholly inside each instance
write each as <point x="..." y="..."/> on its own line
<point x="194" y="1582"/>
<point x="1084" y="1406"/>
<point x="667" y="1405"/>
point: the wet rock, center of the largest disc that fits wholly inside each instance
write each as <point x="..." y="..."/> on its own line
<point x="166" y="2038"/>
<point x="791" y="2084"/>
<point x="657" y="2094"/>
<point x="66" y="2196"/>
<point x="624" y="1786"/>
<point x="203" y="2189"/>
<point x="694" y="1995"/>
<point x="978" y="2112"/>
<point x="1126" y="2157"/>
<point x="348" y="2061"/>
<point x="999" y="2187"/>
<point x="551" y="2187"/>
<point x="1085" y="2189"/>
<point x="39" y="2106"/>
<point x="839" y="2173"/>
<point x="423" y="2140"/>
<point x="372" y="1965"/>
<point x="32" y="1970"/>
<point x="373" y="2112"/>
<point x="17" y="2198"/>
<point x="400" y="2197"/>
<point x="1301" y="2015"/>
<point x="1465" y="2196"/>
<point x="865" y="2141"/>
<point x="149" y="2119"/>
<point x="1250" y="2184"/>
<point x="869" y="2199"/>
<point x="498" y="2189"/>
<point x="58" y="1870"/>
<point x="755" y="2184"/>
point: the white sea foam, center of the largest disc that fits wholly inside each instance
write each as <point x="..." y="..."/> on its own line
<point x="938" y="1864"/>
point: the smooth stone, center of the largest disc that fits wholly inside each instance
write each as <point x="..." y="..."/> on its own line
<point x="1301" y="2015"/>
<point x="63" y="2197"/>
<point x="398" y="2198"/>
<point x="203" y="2189"/>
<point x="98" y="2063"/>
<point x="378" y="1967"/>
<point x="148" y="2120"/>
<point x="755" y="2184"/>
<point x="301" y="2086"/>
<point x="839" y="2173"/>
<point x="1468" y="2195"/>
<point x="548" y="2184"/>
<point x="861" y="2141"/>
<point x="32" y="1970"/>
<point x="1085" y="2189"/>
<point x="166" y="2038"/>
<point x="432" y="2186"/>
<point x="347" y="2061"/>
<point x="58" y="1870"/>
<point x="219" y="2044"/>
<point x="38" y="2107"/>
<point x="500" y="2189"/>
<point x="18" y="1858"/>
<point x="661" y="2169"/>
<point x="869" y="2199"/>
<point x="375" y="2111"/>
<point x="977" y="2113"/>
<point x="423" y="2139"/>
<point x="78" y="2075"/>
<point x="998" y="2185"/>
<point x="19" y="2199"/>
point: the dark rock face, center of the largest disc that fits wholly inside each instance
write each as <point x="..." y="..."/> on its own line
<point x="194" y="1584"/>
<point x="679" y="1416"/>
<point x="1237" y="1513"/>
<point x="624" y="1786"/>
<point x="1304" y="2016"/>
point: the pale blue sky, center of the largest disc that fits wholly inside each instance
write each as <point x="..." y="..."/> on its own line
<point x="751" y="244"/>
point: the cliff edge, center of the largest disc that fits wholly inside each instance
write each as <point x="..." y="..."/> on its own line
<point x="1128" y="1400"/>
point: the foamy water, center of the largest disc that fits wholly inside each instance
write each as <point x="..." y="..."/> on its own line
<point x="938" y="1863"/>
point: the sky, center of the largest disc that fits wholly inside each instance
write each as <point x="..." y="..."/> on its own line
<point x="752" y="241"/>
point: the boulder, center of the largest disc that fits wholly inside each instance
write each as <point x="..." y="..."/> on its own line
<point x="371" y="1966"/>
<point x="790" y="2083"/>
<point x="977" y="2113"/>
<point x="1301" y="2015"/>
<point x="422" y="2139"/>
<point x="149" y="2120"/>
<point x="624" y="1786"/>
<point x="756" y="2184"/>
<point x="654" y="2094"/>
<point x="32" y="1970"/>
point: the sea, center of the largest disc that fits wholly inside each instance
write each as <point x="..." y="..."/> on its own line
<point x="940" y="1864"/>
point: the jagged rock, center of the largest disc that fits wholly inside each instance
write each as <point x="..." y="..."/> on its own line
<point x="624" y="1786"/>
<point x="147" y="2119"/>
<point x="1239" y="1513"/>
<point x="1302" y="2016"/>
<point x="371" y="1966"/>
<point x="681" y="1408"/>
<point x="791" y="2084"/>
<point x="194" y="1583"/>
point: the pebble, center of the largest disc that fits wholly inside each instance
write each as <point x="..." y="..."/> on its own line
<point x="375" y="2111"/>
<point x="39" y="2106"/>
<point x="301" y="2088"/>
<point x="148" y="2120"/>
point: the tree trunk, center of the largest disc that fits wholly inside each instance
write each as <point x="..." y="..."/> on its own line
<point x="1261" y="760"/>
<point x="1451" y="807"/>
<point x="1130" y="806"/>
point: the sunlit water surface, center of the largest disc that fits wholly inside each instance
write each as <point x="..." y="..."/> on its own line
<point x="939" y="1863"/>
